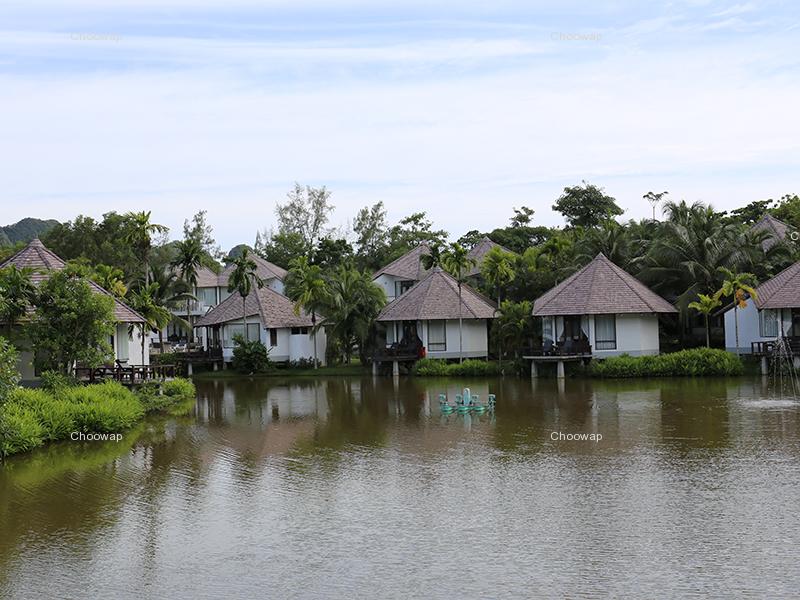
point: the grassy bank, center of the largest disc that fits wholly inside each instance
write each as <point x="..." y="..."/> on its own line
<point x="30" y="418"/>
<point x="697" y="362"/>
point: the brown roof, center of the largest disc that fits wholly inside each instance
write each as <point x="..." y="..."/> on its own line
<point x="777" y="230"/>
<point x="207" y="278"/>
<point x="601" y="287"/>
<point x="479" y="252"/>
<point x="408" y="266"/>
<point x="274" y="309"/>
<point x="265" y="269"/>
<point x="36" y="256"/>
<point x="436" y="297"/>
<point x="782" y="291"/>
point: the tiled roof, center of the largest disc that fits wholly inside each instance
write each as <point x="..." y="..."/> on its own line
<point x="782" y="291"/>
<point x="436" y="297"/>
<point x="207" y="278"/>
<point x="479" y="252"/>
<point x="36" y="256"/>
<point x="408" y="267"/>
<point x="601" y="287"/>
<point x="777" y="230"/>
<point x="265" y="269"/>
<point x="274" y="309"/>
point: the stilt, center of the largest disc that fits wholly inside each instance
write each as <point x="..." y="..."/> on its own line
<point x="764" y="366"/>
<point x="374" y="368"/>
<point x="560" y="369"/>
<point x="216" y="365"/>
<point x="534" y="371"/>
<point x="395" y="368"/>
<point x="189" y="368"/>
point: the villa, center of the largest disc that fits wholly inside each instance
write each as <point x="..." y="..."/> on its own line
<point x="126" y="341"/>
<point x="212" y="289"/>
<point x="270" y="318"/>
<point x="402" y="274"/>
<point x="600" y="311"/>
<point x="429" y="311"/>
<point x="774" y="313"/>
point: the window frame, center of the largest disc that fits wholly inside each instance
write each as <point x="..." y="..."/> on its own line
<point x="438" y="346"/>
<point x="762" y="329"/>
<point x="605" y="344"/>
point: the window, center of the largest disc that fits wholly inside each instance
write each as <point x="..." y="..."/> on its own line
<point x="437" y="336"/>
<point x="605" y="332"/>
<point x="769" y="323"/>
<point x="547" y="328"/>
<point x="207" y="296"/>
<point x="401" y="287"/>
<point x="231" y="331"/>
<point x="299" y="330"/>
<point x="273" y="337"/>
<point x="123" y="343"/>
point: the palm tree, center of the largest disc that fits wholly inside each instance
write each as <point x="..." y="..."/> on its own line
<point x="514" y="324"/>
<point x="705" y="306"/>
<point x="188" y="257"/>
<point x="498" y="270"/>
<point x="168" y="291"/>
<point x="139" y="235"/>
<point x="111" y="279"/>
<point x="433" y="258"/>
<point x="242" y="279"/>
<point x="306" y="287"/>
<point x="352" y="303"/>
<point x="17" y="293"/>
<point x="739" y="286"/>
<point x="156" y="317"/>
<point x="457" y="262"/>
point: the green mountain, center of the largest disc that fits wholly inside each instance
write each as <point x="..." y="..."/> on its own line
<point x="25" y="230"/>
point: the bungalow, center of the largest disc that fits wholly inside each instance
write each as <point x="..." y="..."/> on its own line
<point x="774" y="313"/>
<point x="270" y="319"/>
<point x="777" y="230"/>
<point x="430" y="311"/>
<point x="212" y="289"/>
<point x="402" y="274"/>
<point x="601" y="311"/>
<point x="127" y="345"/>
<point x="478" y="254"/>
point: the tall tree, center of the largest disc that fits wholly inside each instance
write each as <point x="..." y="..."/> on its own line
<point x="203" y="233"/>
<point x="457" y="262"/>
<point x="654" y="198"/>
<point x="17" y="294"/>
<point x="305" y="213"/>
<point x="188" y="258"/>
<point x="497" y="270"/>
<point x="586" y="205"/>
<point x="372" y="235"/>
<point x="705" y="305"/>
<point x="738" y="286"/>
<point x="305" y="286"/>
<point x="433" y="258"/>
<point x="410" y="232"/>
<point x="168" y="292"/>
<point x="242" y="279"/>
<point x="140" y="234"/>
<point x="157" y="316"/>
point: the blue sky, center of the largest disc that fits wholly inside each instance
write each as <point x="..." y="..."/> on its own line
<point x="461" y="109"/>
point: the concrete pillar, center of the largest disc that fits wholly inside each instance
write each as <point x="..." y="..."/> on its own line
<point x="189" y="368"/>
<point x="395" y="368"/>
<point x="374" y="368"/>
<point x="764" y="366"/>
<point x="534" y="371"/>
<point x="216" y="365"/>
<point x="560" y="369"/>
<point x="796" y="362"/>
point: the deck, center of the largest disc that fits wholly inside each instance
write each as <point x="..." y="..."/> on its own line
<point x="125" y="374"/>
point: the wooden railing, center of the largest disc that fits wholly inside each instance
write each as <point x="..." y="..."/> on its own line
<point x="128" y="374"/>
<point x="768" y="347"/>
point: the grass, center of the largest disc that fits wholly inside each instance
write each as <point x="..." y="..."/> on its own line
<point x="32" y="417"/>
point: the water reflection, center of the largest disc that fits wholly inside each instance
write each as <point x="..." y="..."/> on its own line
<point x="294" y="482"/>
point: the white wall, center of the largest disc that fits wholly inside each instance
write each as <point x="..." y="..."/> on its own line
<point x="133" y="342"/>
<point x="749" y="327"/>
<point x="387" y="284"/>
<point x="475" y="340"/>
<point x="289" y="347"/>
<point x="637" y="334"/>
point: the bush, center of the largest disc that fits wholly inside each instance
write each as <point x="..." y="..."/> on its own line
<point x="179" y="387"/>
<point x="250" y="357"/>
<point x="55" y="382"/>
<point x="20" y="431"/>
<point x="167" y="358"/>
<point x="56" y="416"/>
<point x="104" y="408"/>
<point x="428" y="367"/>
<point x="9" y="375"/>
<point x="685" y="363"/>
<point x="303" y="363"/>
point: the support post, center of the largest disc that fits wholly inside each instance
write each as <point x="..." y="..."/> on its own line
<point x="374" y="368"/>
<point x="764" y="366"/>
<point x="534" y="370"/>
<point x="189" y="368"/>
<point x="216" y="365"/>
<point x="560" y="369"/>
<point x="395" y="368"/>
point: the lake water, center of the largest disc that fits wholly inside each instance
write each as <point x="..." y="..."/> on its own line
<point x="354" y="488"/>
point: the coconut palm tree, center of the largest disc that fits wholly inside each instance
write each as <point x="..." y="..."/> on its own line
<point x="168" y="291"/>
<point x="139" y="234"/>
<point x="305" y="285"/>
<point x="498" y="270"/>
<point x="156" y="317"/>
<point x="705" y="305"/>
<point x="17" y="294"/>
<point x="739" y="286"/>
<point x="111" y="279"/>
<point x="242" y="279"/>
<point x="433" y="258"/>
<point x="188" y="258"/>
<point x="457" y="262"/>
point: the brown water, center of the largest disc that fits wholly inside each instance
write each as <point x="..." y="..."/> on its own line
<point x="349" y="488"/>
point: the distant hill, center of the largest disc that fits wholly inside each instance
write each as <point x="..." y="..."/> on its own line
<point x="25" y="230"/>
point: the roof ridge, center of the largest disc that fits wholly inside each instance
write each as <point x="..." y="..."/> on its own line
<point x="563" y="284"/>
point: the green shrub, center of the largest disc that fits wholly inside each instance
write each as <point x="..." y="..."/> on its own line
<point x="428" y="367"/>
<point x="20" y="430"/>
<point x="9" y="375"/>
<point x="250" y="357"/>
<point x="56" y="416"/>
<point x="685" y="363"/>
<point x="167" y="358"/>
<point x="53" y="381"/>
<point x="106" y="407"/>
<point x="179" y="387"/>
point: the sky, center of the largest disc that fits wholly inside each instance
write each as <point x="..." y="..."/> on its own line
<point x="460" y="109"/>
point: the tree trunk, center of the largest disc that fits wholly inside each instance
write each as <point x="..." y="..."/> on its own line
<point x="143" y="361"/>
<point x="244" y="319"/>
<point x="736" y="327"/>
<point x="190" y="333"/>
<point x="460" y="325"/>
<point x="161" y="341"/>
<point x="314" y="334"/>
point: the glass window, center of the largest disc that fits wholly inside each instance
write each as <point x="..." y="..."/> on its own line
<point x="605" y="332"/>
<point x="273" y="337"/>
<point x="401" y="287"/>
<point x="254" y="331"/>
<point x="299" y="330"/>
<point x="123" y="343"/>
<point x="207" y="296"/>
<point x="547" y="328"/>
<point x="769" y="323"/>
<point x="232" y="331"/>
<point x="437" y="336"/>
